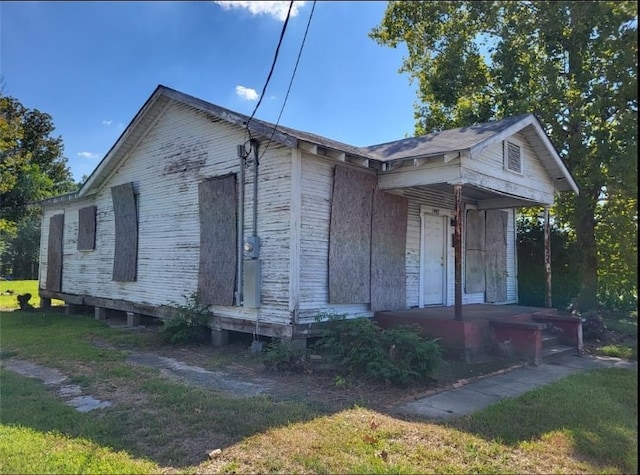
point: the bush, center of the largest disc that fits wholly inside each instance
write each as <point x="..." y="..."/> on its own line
<point x="593" y="327"/>
<point x="190" y="324"/>
<point x="360" y="346"/>
<point x="283" y="355"/>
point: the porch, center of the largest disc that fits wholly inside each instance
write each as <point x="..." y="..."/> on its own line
<point x="531" y="333"/>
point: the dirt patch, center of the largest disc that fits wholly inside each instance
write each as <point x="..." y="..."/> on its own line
<point x="54" y="379"/>
<point x="236" y="371"/>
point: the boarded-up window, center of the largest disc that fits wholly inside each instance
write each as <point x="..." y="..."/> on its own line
<point x="54" y="253"/>
<point x="475" y="249"/>
<point x="350" y="236"/>
<point x="125" y="258"/>
<point x="87" y="228"/>
<point x="496" y="256"/>
<point x="388" y="244"/>
<point x="218" y="245"/>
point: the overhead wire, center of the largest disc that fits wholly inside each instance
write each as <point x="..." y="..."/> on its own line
<point x="293" y="74"/>
<point x="273" y="65"/>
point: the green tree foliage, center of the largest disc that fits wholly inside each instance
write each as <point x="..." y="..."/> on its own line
<point x="574" y="65"/>
<point x="565" y="269"/>
<point x="32" y="167"/>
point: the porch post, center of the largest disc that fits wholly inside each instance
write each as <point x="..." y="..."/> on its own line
<point x="547" y="259"/>
<point x="457" y="245"/>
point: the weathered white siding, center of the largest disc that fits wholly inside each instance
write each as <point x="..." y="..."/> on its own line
<point x="487" y="169"/>
<point x="180" y="150"/>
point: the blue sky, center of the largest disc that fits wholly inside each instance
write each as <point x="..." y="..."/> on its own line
<point x="92" y="65"/>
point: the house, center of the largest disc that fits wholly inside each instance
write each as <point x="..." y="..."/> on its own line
<point x="271" y="226"/>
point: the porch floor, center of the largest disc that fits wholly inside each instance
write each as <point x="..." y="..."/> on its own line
<point x="482" y="328"/>
<point x="473" y="312"/>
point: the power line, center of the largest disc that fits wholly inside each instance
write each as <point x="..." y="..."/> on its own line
<point x="284" y="103"/>
<point x="273" y="64"/>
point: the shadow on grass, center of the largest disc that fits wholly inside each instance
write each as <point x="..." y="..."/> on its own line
<point x="596" y="410"/>
<point x="152" y="417"/>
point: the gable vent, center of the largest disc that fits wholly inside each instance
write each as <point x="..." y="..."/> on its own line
<point x="513" y="157"/>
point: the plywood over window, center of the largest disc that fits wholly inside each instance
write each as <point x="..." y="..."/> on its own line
<point x="496" y="255"/>
<point x="475" y="251"/>
<point x="218" y="245"/>
<point x="125" y="258"/>
<point x="350" y="236"/>
<point x="388" y="246"/>
<point x="87" y="228"/>
<point x="55" y="253"/>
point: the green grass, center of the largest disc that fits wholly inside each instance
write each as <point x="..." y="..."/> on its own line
<point x="10" y="289"/>
<point x="25" y="450"/>
<point x="586" y="423"/>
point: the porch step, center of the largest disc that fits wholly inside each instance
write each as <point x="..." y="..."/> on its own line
<point x="549" y="339"/>
<point x="552" y="349"/>
<point x="553" y="352"/>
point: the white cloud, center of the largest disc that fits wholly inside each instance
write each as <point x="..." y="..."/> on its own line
<point x="277" y="10"/>
<point x="247" y="93"/>
<point x="107" y="122"/>
<point x="89" y="155"/>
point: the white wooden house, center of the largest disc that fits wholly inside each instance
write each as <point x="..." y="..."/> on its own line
<point x="312" y="225"/>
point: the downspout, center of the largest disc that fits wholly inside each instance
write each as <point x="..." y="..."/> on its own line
<point x="240" y="225"/>
<point x="256" y="345"/>
<point x="254" y="146"/>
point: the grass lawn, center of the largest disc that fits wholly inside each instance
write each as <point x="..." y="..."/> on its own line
<point x="586" y="423"/>
<point x="10" y="289"/>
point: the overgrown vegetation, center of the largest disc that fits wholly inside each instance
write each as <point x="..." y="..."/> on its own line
<point x="565" y="268"/>
<point x="361" y="347"/>
<point x="612" y="333"/>
<point x="190" y="323"/>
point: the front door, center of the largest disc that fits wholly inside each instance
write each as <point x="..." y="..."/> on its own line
<point x="434" y="259"/>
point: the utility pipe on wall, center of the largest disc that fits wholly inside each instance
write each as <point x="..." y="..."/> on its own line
<point x="254" y="147"/>
<point x="240" y="229"/>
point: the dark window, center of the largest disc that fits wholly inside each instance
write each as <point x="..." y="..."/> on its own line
<point x="126" y="226"/>
<point x="54" y="253"/>
<point x="87" y="228"/>
<point x="218" y="245"/>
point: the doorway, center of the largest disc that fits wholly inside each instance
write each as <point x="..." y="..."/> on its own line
<point x="434" y="259"/>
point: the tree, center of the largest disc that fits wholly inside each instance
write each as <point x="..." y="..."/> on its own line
<point x="573" y="64"/>
<point x="32" y="167"/>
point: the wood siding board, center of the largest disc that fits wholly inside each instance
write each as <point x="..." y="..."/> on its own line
<point x="87" y="228"/>
<point x="218" y="254"/>
<point x="388" y="248"/>
<point x="55" y="253"/>
<point x="125" y="258"/>
<point x="496" y="256"/>
<point x="350" y="236"/>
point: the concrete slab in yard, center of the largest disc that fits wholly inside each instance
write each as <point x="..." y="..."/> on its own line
<point x="481" y="393"/>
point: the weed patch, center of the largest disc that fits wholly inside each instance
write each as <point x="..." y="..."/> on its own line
<point x="399" y="355"/>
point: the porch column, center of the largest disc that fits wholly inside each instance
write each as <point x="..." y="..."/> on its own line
<point x="547" y="259"/>
<point x="457" y="245"/>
